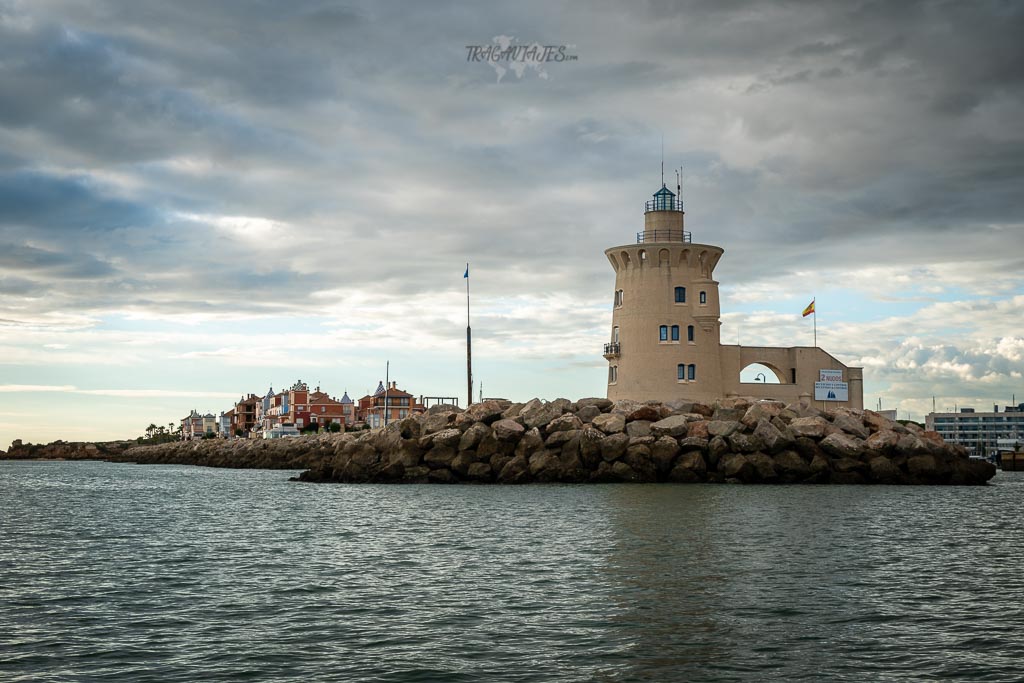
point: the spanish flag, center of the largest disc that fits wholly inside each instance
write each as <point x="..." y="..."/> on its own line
<point x="809" y="309"/>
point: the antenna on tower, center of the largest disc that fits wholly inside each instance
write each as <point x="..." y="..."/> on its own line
<point x="663" y="160"/>
<point x="679" y="183"/>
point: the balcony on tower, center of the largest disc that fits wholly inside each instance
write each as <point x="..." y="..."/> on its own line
<point x="611" y="350"/>
<point x="663" y="219"/>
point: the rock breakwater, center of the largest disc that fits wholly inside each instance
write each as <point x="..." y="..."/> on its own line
<point x="596" y="440"/>
<point x="278" y="454"/>
<point x="589" y="440"/>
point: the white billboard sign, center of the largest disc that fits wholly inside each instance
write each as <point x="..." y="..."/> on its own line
<point x="831" y="391"/>
<point x="830" y="375"/>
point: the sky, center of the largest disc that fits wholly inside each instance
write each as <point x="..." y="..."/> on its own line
<point x="204" y="200"/>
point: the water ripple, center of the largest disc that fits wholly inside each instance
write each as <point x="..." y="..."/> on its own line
<point x="114" y="572"/>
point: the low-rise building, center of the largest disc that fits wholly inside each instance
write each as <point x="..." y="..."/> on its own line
<point x="386" y="405"/>
<point x="224" y="424"/>
<point x="982" y="434"/>
<point x="196" y="425"/>
<point x="244" y="415"/>
<point x="348" y="409"/>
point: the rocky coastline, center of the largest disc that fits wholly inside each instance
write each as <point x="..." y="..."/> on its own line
<point x="735" y="440"/>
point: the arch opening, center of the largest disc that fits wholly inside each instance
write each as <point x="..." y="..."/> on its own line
<point x="761" y="373"/>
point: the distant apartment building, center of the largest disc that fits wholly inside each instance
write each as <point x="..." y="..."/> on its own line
<point x="386" y="405"/>
<point x="982" y="434"/>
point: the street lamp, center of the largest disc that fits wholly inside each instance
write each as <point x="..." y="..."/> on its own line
<point x="759" y="377"/>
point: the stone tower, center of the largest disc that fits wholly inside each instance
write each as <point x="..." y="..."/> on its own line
<point x="665" y="323"/>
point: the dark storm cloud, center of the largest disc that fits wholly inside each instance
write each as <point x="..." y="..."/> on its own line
<point x="363" y="131"/>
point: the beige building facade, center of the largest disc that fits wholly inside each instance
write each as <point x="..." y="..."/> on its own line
<point x="665" y="339"/>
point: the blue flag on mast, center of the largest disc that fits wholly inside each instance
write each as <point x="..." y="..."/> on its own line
<point x="467" y="271"/>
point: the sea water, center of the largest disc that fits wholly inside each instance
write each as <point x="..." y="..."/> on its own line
<point x="119" y="572"/>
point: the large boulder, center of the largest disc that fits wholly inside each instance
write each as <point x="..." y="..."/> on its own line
<point x="744" y="443"/>
<point x="508" y="430"/>
<point x="590" y="446"/>
<point x="515" y="471"/>
<point x="436" y="421"/>
<point x="540" y="415"/>
<point x="602" y="404"/>
<point x="736" y="466"/>
<point x="564" y="423"/>
<point x="762" y="410"/>
<point x="439" y="456"/>
<point x="614" y="446"/>
<point x="675" y="426"/>
<point x="556" y="439"/>
<point x="446" y="437"/>
<point x="545" y="465"/>
<point x="876" y="422"/>
<point x="647" y="412"/>
<point x="841" y="445"/>
<point x="773" y="439"/>
<point x="764" y="465"/>
<point x="487" y="411"/>
<point x="689" y="468"/>
<point x="479" y="471"/>
<point x="850" y="424"/>
<point x="699" y="429"/>
<point x="472" y="436"/>
<point x="883" y="471"/>
<point x="729" y="414"/>
<point x="693" y="443"/>
<point x="640" y="461"/>
<point x="621" y="471"/>
<point x="724" y="427"/>
<point x="883" y="441"/>
<point x="610" y="423"/>
<point x="531" y="442"/>
<point x="663" y="453"/>
<point x="791" y="467"/>
<point x="812" y="427"/>
<point x="638" y="428"/>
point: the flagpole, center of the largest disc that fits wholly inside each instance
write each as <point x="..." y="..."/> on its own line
<point x="469" y="348"/>
<point x="814" y="301"/>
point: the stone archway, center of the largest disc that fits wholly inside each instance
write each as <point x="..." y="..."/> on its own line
<point x="761" y="372"/>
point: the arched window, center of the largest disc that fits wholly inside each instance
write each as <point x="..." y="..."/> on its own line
<point x="618" y="298"/>
<point x="689" y="333"/>
<point x="692" y="373"/>
<point x="663" y="333"/>
<point x="703" y="298"/>
<point x="681" y="372"/>
<point x="680" y="295"/>
<point x="615" y="334"/>
<point x="675" y="333"/>
<point x="613" y="374"/>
